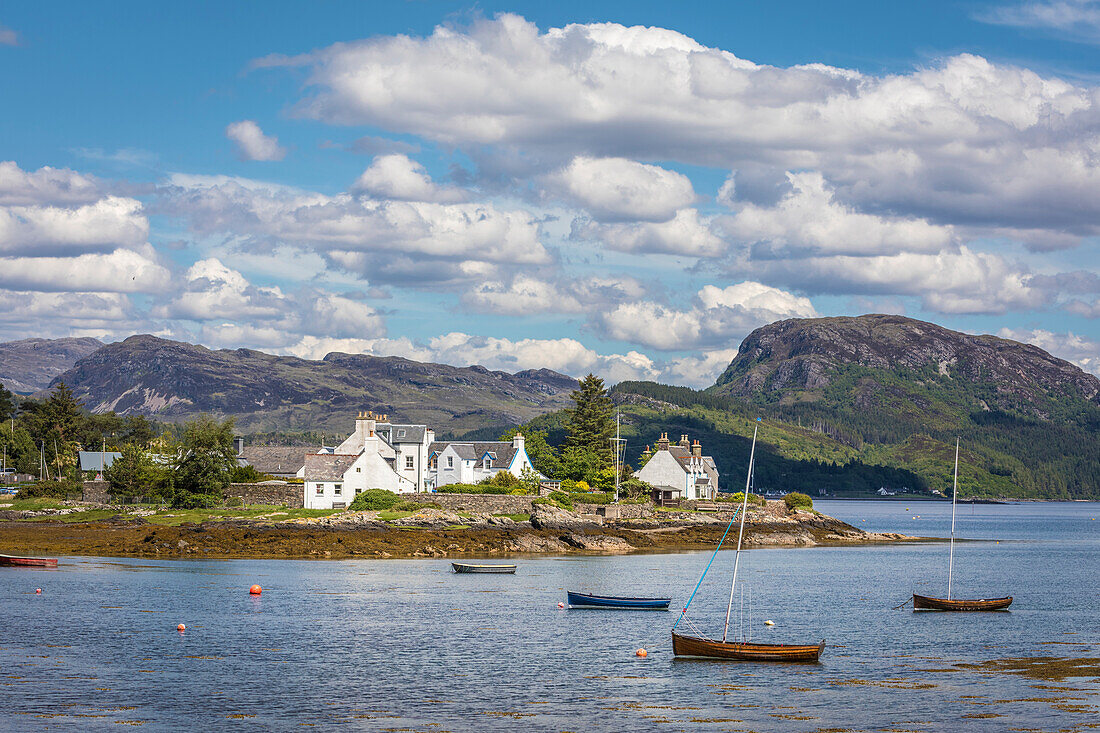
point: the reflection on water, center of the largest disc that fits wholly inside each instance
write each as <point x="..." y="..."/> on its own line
<point x="407" y="645"/>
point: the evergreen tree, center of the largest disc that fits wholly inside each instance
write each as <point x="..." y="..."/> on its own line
<point x="131" y="474"/>
<point x="590" y="427"/>
<point x="7" y="403"/>
<point x="205" y="462"/>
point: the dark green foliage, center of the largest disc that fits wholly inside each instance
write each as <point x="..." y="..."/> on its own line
<point x="246" y="475"/>
<point x="61" y="489"/>
<point x="590" y="428"/>
<point x="739" y="497"/>
<point x="412" y="506"/>
<point x="205" y="463"/>
<point x="374" y="500"/>
<point x="561" y="499"/>
<point x="7" y="403"/>
<point x="542" y="454"/>
<point x="22" y="455"/>
<point x="600" y="497"/>
<point x="798" y="500"/>
<point x="133" y="474"/>
<point x="473" y="489"/>
<point x="634" y="488"/>
<point x="501" y="479"/>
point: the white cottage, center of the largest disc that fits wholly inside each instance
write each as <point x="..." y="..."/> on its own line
<point x="366" y="460"/>
<point x="464" y="462"/>
<point x="680" y="471"/>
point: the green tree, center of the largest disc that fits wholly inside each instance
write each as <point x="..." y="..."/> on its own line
<point x="131" y="474"/>
<point x="205" y="460"/>
<point x="17" y="445"/>
<point x="7" y="403"/>
<point x="590" y="427"/>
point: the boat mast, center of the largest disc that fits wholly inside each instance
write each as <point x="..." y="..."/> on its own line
<point x="741" y="530"/>
<point x="954" y="495"/>
<point x="617" y="442"/>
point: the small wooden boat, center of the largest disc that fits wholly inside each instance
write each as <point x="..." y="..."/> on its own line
<point x="462" y="567"/>
<point x="691" y="646"/>
<point x="28" y="562"/>
<point x="925" y="603"/>
<point x="586" y="600"/>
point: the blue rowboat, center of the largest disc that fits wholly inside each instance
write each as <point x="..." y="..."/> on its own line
<point x="586" y="600"/>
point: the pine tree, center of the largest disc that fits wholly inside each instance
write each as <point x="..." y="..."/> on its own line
<point x="590" y="427"/>
<point x="7" y="403"/>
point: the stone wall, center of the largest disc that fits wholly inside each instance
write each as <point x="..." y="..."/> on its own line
<point x="96" y="491"/>
<point x="486" y="503"/>
<point x="275" y="493"/>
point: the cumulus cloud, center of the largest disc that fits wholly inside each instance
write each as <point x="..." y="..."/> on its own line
<point x="686" y="234"/>
<point x="524" y="294"/>
<point x="962" y="141"/>
<point x="45" y="186"/>
<point x="809" y="220"/>
<point x="720" y="316"/>
<point x="121" y="271"/>
<point x="965" y="281"/>
<point x="252" y="143"/>
<point x="618" y="189"/>
<point x="1069" y="346"/>
<point x="64" y="314"/>
<point x="398" y="177"/>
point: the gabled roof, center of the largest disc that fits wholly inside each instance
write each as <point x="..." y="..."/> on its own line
<point x="95" y="460"/>
<point x="275" y="459"/>
<point x="413" y="433"/>
<point x="502" y="452"/>
<point x="328" y="467"/>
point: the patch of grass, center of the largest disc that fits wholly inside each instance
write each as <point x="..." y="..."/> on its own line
<point x="516" y="517"/>
<point x="388" y="515"/>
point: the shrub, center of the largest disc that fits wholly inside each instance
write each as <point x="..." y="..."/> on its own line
<point x="60" y="489"/>
<point x="798" y="500"/>
<point x="739" y="497"/>
<point x="412" y="506"/>
<point x="594" y="498"/>
<point x="581" y="486"/>
<point x="501" y="479"/>
<point x="234" y="501"/>
<point x="374" y="500"/>
<point x="561" y="499"/>
<point x="519" y="491"/>
<point x="246" y="475"/>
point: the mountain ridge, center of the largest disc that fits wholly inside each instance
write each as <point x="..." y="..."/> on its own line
<point x="29" y="365"/>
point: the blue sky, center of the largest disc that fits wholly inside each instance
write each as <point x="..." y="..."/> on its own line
<point x="625" y="188"/>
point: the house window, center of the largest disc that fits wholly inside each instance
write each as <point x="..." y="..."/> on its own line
<point x="431" y="463"/>
<point x="320" y="489"/>
<point x="359" y="469"/>
<point x="450" y="461"/>
<point x="358" y="492"/>
<point x="338" y="489"/>
<point x="400" y="433"/>
<point x="487" y="463"/>
<point x="408" y="462"/>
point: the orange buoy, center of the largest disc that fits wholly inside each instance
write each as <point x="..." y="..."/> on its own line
<point x="38" y="591"/>
<point x="641" y="653"/>
<point x="255" y="590"/>
<point x="561" y="605"/>
<point x="181" y="628"/>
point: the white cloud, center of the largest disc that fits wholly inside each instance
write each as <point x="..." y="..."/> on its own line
<point x="214" y="291"/>
<point x="964" y="141"/>
<point x="1069" y="346"/>
<point x="64" y="314"/>
<point x="618" y="189"/>
<point x="45" y="186"/>
<point x="965" y="281"/>
<point x="252" y="143"/>
<point x="720" y="317"/>
<point x="107" y="223"/>
<point x="809" y="219"/>
<point x="398" y="177"/>
<point x="524" y="294"/>
<point x="121" y="271"/>
<point x="686" y="235"/>
<point x="8" y="37"/>
<point x="1076" y="19"/>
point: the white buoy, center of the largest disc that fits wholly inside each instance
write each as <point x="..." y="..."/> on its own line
<point x="769" y="623"/>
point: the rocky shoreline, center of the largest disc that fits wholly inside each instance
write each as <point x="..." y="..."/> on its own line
<point x="428" y="532"/>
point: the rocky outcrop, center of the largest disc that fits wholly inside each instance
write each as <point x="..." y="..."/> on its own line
<point x="807" y="354"/>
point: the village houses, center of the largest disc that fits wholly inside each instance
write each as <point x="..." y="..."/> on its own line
<point x="679" y="471"/>
<point x="401" y="458"/>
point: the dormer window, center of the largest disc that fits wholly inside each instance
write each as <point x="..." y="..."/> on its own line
<point x="400" y="433"/>
<point x="487" y="463"/>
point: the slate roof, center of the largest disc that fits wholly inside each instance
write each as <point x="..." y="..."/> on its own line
<point x="275" y="459"/>
<point x="503" y="451"/>
<point x="323" y="467"/>
<point x="93" y="460"/>
<point x="389" y="431"/>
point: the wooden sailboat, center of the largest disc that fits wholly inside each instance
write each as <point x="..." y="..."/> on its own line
<point x="701" y="646"/>
<point x="928" y="603"/>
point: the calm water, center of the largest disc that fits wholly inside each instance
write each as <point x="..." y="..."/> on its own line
<point x="407" y="645"/>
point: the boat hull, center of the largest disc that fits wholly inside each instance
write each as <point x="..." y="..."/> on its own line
<point x="926" y="603"/>
<point x="461" y="567"/>
<point x="586" y="600"/>
<point x="27" y="562"/>
<point x="691" y="646"/>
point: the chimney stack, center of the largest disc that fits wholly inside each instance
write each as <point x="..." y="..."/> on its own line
<point x="662" y="444"/>
<point x="697" y="449"/>
<point x="518" y="442"/>
<point x="684" y="443"/>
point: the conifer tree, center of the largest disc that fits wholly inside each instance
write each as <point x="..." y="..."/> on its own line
<point x="590" y="427"/>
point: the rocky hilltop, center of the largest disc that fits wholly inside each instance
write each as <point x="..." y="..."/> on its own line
<point x="29" y="365"/>
<point x="811" y="354"/>
<point x="172" y="380"/>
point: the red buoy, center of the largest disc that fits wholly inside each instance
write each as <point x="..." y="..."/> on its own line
<point x="181" y="628"/>
<point x="561" y="605"/>
<point x="38" y="591"/>
<point x="255" y="590"/>
<point x="641" y="653"/>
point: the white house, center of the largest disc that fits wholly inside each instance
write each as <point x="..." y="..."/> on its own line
<point x="464" y="462"/>
<point x="680" y="471"/>
<point x="366" y="460"/>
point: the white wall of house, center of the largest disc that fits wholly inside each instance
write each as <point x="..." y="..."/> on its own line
<point x="451" y="468"/>
<point x="664" y="470"/>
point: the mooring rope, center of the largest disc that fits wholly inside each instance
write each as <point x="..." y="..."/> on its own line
<point x="716" y="549"/>
<point x="903" y="605"/>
